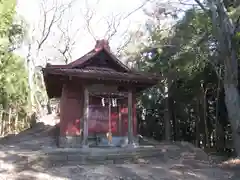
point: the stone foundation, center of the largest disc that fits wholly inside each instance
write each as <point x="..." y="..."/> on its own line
<point x="75" y="142"/>
<point x="70" y="141"/>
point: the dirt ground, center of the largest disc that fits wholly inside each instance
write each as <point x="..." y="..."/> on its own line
<point x="184" y="162"/>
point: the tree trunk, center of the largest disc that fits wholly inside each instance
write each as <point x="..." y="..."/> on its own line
<point x="4" y="125"/>
<point x="197" y="129"/>
<point x="232" y="100"/>
<point x="219" y="128"/>
<point x="16" y="124"/>
<point x="167" y="122"/>
<point x="205" y="117"/>
<point x="174" y="120"/>
<point x="220" y="137"/>
<point x="1" y="125"/>
<point x="31" y="84"/>
<point x="49" y="109"/>
<point x="167" y="112"/>
<point x="197" y="132"/>
<point x="9" y="120"/>
<point x="4" y="122"/>
<point x="167" y="116"/>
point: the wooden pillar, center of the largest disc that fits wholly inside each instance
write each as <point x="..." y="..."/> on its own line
<point x="109" y="115"/>
<point x="130" y="119"/>
<point x="85" y="117"/>
<point x="109" y="122"/>
<point x="119" y="119"/>
<point x="135" y="123"/>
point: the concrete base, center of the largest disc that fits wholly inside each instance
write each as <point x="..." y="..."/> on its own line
<point x="70" y="141"/>
<point x="133" y="145"/>
<point x="85" y="146"/>
<point x="75" y="142"/>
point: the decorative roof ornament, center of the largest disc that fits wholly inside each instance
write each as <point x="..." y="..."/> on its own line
<point x="100" y="44"/>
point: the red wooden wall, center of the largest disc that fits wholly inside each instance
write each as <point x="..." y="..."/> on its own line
<point x="71" y="111"/>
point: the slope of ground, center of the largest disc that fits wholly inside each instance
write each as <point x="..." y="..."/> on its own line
<point x="19" y="159"/>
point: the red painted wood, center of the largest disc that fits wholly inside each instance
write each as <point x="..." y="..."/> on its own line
<point x="71" y="111"/>
<point x="124" y="112"/>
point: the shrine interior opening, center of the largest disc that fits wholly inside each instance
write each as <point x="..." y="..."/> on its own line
<point x="108" y="116"/>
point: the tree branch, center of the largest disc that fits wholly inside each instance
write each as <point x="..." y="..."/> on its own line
<point x="201" y="5"/>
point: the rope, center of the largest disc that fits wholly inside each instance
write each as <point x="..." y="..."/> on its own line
<point x="105" y="97"/>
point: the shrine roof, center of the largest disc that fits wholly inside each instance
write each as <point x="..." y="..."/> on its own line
<point x="97" y="65"/>
<point x="101" y="46"/>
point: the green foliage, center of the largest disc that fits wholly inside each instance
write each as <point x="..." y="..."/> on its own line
<point x="7" y="10"/>
<point x="13" y="80"/>
<point x="188" y="55"/>
<point x="13" y="75"/>
<point x="185" y="54"/>
<point x="11" y="32"/>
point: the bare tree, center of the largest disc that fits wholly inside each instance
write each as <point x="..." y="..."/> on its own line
<point x="113" y="23"/>
<point x="67" y="40"/>
<point x="50" y="16"/>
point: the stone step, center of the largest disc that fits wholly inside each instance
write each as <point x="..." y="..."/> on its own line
<point x="59" y="157"/>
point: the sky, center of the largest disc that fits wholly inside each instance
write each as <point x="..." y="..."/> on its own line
<point x="29" y="9"/>
<point x="84" y="42"/>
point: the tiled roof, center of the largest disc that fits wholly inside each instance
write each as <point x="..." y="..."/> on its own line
<point x="83" y="59"/>
<point x="99" y="73"/>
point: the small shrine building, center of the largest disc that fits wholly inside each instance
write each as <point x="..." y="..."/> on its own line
<point x="97" y="95"/>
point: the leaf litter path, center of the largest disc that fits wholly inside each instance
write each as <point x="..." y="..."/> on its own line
<point x="180" y="161"/>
